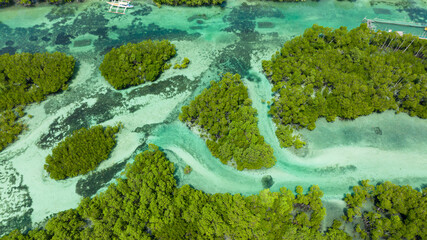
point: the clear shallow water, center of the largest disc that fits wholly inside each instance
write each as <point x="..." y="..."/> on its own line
<point x="234" y="39"/>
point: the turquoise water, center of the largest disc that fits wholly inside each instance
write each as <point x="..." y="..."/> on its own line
<point x="233" y="39"/>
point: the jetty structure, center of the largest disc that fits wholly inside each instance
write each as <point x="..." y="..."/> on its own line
<point x="416" y="29"/>
<point x="119" y="5"/>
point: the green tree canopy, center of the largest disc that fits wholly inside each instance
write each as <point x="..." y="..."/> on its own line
<point x="134" y="64"/>
<point x="339" y="73"/>
<point x="28" y="3"/>
<point x="26" y="78"/>
<point x="397" y="212"/>
<point x="224" y="113"/>
<point x="146" y="204"/>
<point x="81" y="152"/>
<point x="191" y="3"/>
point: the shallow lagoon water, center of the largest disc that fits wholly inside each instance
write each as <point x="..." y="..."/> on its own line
<point x="233" y="39"/>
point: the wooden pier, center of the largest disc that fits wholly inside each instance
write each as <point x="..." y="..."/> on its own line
<point x="371" y="25"/>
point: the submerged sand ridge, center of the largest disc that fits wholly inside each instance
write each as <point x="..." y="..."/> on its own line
<point x="378" y="147"/>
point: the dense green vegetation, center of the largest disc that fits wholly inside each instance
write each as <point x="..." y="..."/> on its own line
<point x="387" y="211"/>
<point x="227" y="121"/>
<point x="27" y="3"/>
<point x="10" y="127"/>
<point x="287" y="0"/>
<point x="134" y="64"/>
<point x="184" y="64"/>
<point x="345" y="74"/>
<point x="187" y="169"/>
<point x="81" y="152"/>
<point x="4" y="3"/>
<point x="60" y="1"/>
<point x="146" y="204"/>
<point x="192" y="3"/>
<point x="26" y="78"/>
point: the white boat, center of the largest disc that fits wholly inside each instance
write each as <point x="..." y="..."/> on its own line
<point x="119" y="5"/>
